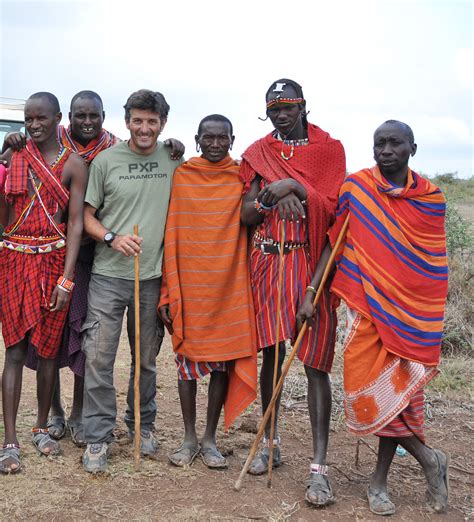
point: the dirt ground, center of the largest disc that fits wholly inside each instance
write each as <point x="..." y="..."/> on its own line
<point x="58" y="488"/>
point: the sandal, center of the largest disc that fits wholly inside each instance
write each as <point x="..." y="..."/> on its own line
<point x="259" y="465"/>
<point x="183" y="456"/>
<point x="42" y="441"/>
<point x="213" y="458"/>
<point x="12" y="452"/>
<point x="318" y="488"/>
<point x="77" y="433"/>
<point x="57" y="427"/>
<point x="380" y="503"/>
<point x="437" y="495"/>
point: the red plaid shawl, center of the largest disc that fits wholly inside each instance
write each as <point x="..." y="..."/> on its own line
<point x="319" y="166"/>
<point x="105" y="140"/>
<point x="28" y="280"/>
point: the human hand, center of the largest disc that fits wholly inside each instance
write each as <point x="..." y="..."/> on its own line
<point x="306" y="312"/>
<point x="59" y="299"/>
<point x="15" y="140"/>
<point x="291" y="208"/>
<point x="177" y="148"/>
<point x="165" y="316"/>
<point x="127" y="244"/>
<point x="272" y="193"/>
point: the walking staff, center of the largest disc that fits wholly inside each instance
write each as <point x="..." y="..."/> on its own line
<point x="291" y="356"/>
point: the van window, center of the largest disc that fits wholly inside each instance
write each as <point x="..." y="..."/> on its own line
<point x="7" y="126"/>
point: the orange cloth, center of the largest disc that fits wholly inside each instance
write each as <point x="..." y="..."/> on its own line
<point x="378" y="384"/>
<point x="205" y="276"/>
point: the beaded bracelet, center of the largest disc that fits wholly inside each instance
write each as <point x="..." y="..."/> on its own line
<point x="65" y="284"/>
<point x="260" y="207"/>
<point x="310" y="288"/>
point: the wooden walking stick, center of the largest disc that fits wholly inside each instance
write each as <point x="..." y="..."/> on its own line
<point x="291" y="356"/>
<point x="136" y="383"/>
<point x="277" y="350"/>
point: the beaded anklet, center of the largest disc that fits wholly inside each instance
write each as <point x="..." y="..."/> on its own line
<point x="319" y="469"/>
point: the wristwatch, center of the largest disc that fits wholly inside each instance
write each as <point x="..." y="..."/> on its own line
<point x="109" y="237"/>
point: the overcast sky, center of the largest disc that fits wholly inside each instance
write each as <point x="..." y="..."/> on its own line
<point x="360" y="62"/>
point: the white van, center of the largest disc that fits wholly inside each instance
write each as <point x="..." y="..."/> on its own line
<point x="12" y="118"/>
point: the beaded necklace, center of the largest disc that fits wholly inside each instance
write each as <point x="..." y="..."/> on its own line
<point x="26" y="211"/>
<point x="291" y="143"/>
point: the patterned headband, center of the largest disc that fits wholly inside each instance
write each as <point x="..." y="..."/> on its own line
<point x="276" y="100"/>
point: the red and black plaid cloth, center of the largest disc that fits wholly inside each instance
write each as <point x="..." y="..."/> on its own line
<point x="27" y="281"/>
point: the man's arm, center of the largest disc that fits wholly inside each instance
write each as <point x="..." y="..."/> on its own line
<point x="3" y="211"/>
<point x="286" y="194"/>
<point x="249" y="214"/>
<point x="177" y="148"/>
<point x="75" y="172"/>
<point x="126" y="244"/>
<point x="306" y="310"/>
<point x="14" y="140"/>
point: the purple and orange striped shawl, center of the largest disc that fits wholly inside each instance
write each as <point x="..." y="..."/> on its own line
<point x="393" y="266"/>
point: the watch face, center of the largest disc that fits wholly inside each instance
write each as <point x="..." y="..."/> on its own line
<point x="109" y="237"/>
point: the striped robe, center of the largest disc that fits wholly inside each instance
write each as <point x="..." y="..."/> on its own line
<point x="320" y="167"/>
<point x="392" y="272"/>
<point x="205" y="276"/>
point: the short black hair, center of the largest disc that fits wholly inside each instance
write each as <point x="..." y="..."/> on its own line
<point x="53" y="101"/>
<point x="296" y="86"/>
<point x="91" y="95"/>
<point x="405" y="127"/>
<point x="149" y="101"/>
<point x="215" y="117"/>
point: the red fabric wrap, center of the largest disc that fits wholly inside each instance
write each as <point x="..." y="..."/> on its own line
<point x="319" y="166"/>
<point x="30" y="157"/>
<point x="103" y="141"/>
<point x="27" y="281"/>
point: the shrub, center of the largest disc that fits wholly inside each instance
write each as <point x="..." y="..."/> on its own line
<point x="458" y="236"/>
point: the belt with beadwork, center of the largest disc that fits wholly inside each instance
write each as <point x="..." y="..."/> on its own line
<point x="25" y="248"/>
<point x="270" y="246"/>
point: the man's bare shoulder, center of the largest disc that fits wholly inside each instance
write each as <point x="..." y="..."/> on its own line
<point x="74" y="166"/>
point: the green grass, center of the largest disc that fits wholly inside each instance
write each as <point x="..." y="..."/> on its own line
<point x="460" y="191"/>
<point x="456" y="374"/>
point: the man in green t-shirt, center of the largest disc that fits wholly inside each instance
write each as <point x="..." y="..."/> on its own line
<point x="128" y="184"/>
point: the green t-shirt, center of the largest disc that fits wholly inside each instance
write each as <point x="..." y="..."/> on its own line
<point x="128" y="189"/>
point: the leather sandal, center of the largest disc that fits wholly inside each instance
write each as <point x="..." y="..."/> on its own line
<point x="76" y="428"/>
<point x="437" y="494"/>
<point x="57" y="427"/>
<point x="213" y="458"/>
<point x="42" y="440"/>
<point x="380" y="503"/>
<point x="318" y="488"/>
<point x="259" y="465"/>
<point x="183" y="456"/>
<point x="12" y="452"/>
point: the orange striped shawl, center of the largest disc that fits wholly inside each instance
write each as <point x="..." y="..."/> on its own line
<point x="393" y="268"/>
<point x="205" y="275"/>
